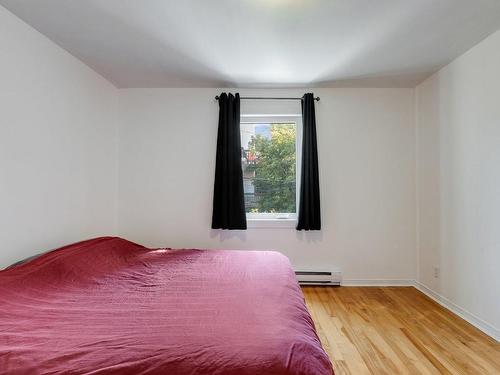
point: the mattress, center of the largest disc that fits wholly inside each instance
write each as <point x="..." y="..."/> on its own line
<point x="110" y="306"/>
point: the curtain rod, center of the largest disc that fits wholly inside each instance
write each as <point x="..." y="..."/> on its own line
<point x="267" y="98"/>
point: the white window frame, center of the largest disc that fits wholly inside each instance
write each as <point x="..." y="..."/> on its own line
<point x="278" y="220"/>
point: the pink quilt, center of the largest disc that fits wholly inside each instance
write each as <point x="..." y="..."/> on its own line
<point x="109" y="306"/>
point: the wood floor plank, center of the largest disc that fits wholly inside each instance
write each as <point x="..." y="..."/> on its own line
<point x="397" y="330"/>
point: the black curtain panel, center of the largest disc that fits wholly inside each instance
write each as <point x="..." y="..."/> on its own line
<point x="229" y="202"/>
<point x="309" y="208"/>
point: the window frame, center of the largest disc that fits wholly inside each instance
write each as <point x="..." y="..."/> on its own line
<point x="278" y="220"/>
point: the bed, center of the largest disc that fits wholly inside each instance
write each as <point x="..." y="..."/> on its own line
<point x="110" y="306"/>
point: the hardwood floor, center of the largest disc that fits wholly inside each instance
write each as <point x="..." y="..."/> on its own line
<point x="397" y="330"/>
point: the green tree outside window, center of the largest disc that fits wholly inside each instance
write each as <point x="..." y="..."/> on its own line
<point x="275" y="169"/>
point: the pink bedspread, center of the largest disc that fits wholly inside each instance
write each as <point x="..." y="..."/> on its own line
<point x="109" y="306"/>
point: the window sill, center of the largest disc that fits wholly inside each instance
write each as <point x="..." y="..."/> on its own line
<point x="271" y="223"/>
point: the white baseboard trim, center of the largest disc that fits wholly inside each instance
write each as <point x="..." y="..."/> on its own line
<point x="457" y="310"/>
<point x="377" y="282"/>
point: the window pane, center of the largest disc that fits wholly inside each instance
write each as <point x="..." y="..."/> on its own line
<point x="268" y="162"/>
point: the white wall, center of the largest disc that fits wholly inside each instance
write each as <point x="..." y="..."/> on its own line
<point x="367" y="175"/>
<point x="58" y="165"/>
<point x="57" y="145"/>
<point x="458" y="120"/>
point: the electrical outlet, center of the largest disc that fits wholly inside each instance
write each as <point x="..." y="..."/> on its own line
<point x="436" y="272"/>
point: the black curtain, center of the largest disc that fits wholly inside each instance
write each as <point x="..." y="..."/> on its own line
<point x="229" y="202"/>
<point x="309" y="208"/>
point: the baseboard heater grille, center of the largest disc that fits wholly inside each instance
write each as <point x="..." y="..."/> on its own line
<point x="318" y="277"/>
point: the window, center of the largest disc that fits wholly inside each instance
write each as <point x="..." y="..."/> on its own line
<point x="269" y="162"/>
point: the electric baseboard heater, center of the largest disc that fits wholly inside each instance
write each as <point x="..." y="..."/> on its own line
<point x="332" y="278"/>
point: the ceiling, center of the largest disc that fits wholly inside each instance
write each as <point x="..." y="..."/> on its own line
<point x="263" y="43"/>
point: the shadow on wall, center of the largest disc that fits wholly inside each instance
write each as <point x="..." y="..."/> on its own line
<point x="244" y="235"/>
